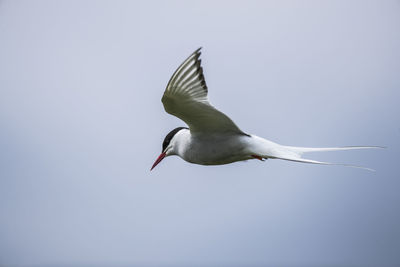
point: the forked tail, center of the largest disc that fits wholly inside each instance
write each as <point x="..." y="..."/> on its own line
<point x="302" y="150"/>
<point x="260" y="147"/>
<point x="295" y="154"/>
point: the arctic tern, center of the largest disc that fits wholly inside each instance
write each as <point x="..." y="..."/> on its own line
<point x="212" y="138"/>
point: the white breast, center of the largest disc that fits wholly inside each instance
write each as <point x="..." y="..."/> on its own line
<point x="211" y="149"/>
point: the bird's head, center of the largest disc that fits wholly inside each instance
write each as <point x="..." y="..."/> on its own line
<point x="167" y="146"/>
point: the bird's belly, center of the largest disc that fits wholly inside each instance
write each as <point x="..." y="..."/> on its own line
<point x="215" y="152"/>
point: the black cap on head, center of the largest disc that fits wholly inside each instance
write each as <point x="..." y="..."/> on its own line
<point x="169" y="136"/>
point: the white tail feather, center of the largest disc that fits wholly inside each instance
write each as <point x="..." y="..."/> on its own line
<point x="268" y="149"/>
<point x="302" y="150"/>
<point x="325" y="163"/>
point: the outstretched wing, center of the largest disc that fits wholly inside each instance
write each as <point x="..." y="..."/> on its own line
<point x="186" y="98"/>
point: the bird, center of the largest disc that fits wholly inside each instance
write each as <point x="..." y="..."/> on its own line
<point x="212" y="138"/>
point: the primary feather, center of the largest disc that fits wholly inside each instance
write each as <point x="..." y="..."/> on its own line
<point x="186" y="98"/>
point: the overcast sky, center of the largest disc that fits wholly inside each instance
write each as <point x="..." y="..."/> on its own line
<point x="81" y="123"/>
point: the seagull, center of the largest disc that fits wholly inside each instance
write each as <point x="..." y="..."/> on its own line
<point x="212" y="138"/>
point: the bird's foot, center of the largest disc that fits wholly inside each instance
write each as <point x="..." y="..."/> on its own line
<point x="258" y="157"/>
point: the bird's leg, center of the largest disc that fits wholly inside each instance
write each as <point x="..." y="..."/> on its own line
<point x="258" y="157"/>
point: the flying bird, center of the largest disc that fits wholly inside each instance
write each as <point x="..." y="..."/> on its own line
<point x="212" y="138"/>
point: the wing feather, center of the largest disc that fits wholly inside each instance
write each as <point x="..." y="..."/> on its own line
<point x="186" y="97"/>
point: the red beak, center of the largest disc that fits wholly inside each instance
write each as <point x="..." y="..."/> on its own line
<point x="159" y="159"/>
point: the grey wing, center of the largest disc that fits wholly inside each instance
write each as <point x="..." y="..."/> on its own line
<point x="186" y="98"/>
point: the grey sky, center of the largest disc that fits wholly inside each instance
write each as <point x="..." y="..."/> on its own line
<point x="81" y="123"/>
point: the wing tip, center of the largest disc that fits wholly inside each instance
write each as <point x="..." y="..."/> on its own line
<point x="197" y="51"/>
